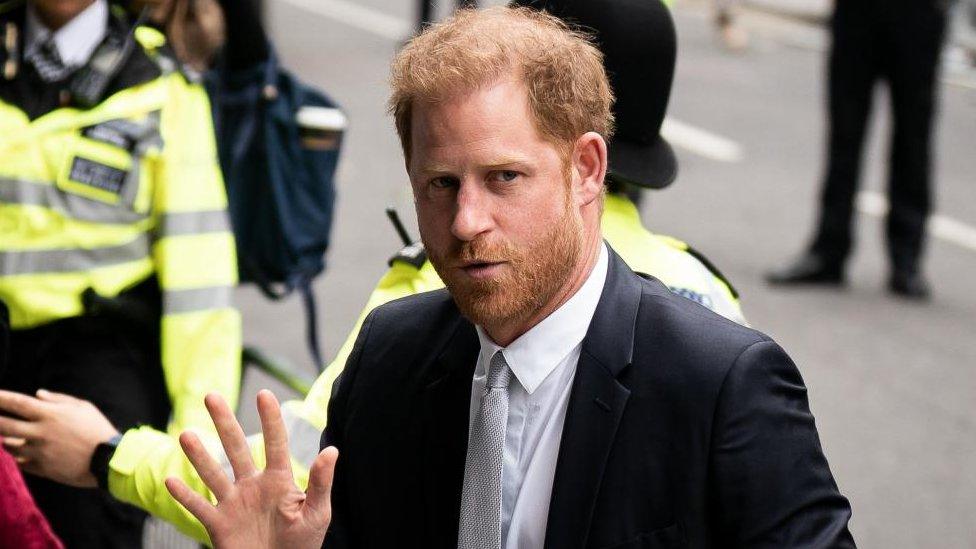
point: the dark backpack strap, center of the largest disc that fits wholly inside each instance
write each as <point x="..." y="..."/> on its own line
<point x="304" y="286"/>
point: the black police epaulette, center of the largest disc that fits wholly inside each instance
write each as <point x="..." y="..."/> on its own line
<point x="712" y="269"/>
<point x="414" y="254"/>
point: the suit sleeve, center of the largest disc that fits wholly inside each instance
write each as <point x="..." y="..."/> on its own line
<point x="340" y="534"/>
<point x="772" y="486"/>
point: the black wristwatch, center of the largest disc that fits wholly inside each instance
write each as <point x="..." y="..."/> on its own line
<point x="101" y="458"/>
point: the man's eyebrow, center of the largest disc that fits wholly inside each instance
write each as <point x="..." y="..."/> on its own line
<point x="439" y="169"/>
<point x="493" y="164"/>
<point x="506" y="162"/>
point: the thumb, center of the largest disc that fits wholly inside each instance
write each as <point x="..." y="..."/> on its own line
<point x="318" y="497"/>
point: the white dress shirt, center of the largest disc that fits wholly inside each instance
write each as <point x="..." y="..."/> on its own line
<point x="77" y="39"/>
<point x="543" y="361"/>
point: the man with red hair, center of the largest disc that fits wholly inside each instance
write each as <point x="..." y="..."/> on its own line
<point x="550" y="396"/>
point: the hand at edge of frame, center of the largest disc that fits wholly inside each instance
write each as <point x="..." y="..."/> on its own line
<point x="54" y="435"/>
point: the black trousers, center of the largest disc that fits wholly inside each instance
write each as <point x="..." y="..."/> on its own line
<point x="899" y="42"/>
<point x="116" y="367"/>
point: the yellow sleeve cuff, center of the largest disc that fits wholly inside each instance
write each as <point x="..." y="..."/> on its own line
<point x="143" y="460"/>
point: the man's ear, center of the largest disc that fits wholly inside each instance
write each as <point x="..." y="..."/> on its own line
<point x="589" y="166"/>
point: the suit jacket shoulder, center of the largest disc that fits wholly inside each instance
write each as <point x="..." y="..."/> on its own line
<point x="395" y="344"/>
<point x="700" y="345"/>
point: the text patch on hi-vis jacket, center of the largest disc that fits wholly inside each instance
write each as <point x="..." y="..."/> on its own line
<point x="121" y="133"/>
<point x="99" y="161"/>
<point x="97" y="175"/>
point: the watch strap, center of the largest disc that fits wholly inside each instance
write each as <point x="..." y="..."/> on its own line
<point x="101" y="458"/>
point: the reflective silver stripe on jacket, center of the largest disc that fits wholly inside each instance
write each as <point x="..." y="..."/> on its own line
<point x="303" y="441"/>
<point x="30" y="193"/>
<point x="183" y="223"/>
<point x="197" y="299"/>
<point x="21" y="262"/>
<point x="303" y="437"/>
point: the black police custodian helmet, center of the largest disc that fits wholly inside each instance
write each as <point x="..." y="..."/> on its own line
<point x="639" y="44"/>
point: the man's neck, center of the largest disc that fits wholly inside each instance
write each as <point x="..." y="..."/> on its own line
<point x="54" y="19"/>
<point x="505" y="333"/>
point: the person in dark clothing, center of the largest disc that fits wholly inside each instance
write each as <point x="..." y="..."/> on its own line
<point x="425" y="11"/>
<point x="229" y="33"/>
<point x="247" y="41"/>
<point x="898" y="42"/>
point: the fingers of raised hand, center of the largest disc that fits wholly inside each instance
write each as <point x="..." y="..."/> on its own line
<point x="22" y="405"/>
<point x="205" y="512"/>
<point x="208" y="469"/>
<point x="318" y="497"/>
<point x="231" y="436"/>
<point x="275" y="434"/>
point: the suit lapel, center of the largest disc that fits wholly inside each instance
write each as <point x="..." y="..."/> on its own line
<point x="596" y="405"/>
<point x="446" y="403"/>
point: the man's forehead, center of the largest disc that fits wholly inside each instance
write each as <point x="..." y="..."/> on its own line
<point x="499" y="106"/>
<point x="492" y="93"/>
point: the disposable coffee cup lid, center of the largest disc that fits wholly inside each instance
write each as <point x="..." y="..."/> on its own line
<point x="321" y="118"/>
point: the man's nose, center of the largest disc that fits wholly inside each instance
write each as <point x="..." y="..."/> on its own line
<point x="473" y="215"/>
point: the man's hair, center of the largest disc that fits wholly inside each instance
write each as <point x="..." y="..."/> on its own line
<point x="562" y="70"/>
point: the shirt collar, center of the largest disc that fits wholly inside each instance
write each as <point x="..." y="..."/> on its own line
<point x="77" y="39"/>
<point x="536" y="353"/>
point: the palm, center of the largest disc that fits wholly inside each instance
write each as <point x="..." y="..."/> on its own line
<point x="260" y="509"/>
<point x="273" y="495"/>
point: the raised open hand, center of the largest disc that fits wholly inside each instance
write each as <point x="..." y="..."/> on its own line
<point x="259" y="509"/>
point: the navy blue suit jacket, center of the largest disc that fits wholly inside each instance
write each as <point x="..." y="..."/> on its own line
<point x="683" y="429"/>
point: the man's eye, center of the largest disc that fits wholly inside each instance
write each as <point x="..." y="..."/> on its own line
<point x="505" y="175"/>
<point x="444" y="182"/>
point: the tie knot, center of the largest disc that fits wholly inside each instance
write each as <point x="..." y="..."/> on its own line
<point x="499" y="373"/>
<point x="47" y="61"/>
<point x="50" y="47"/>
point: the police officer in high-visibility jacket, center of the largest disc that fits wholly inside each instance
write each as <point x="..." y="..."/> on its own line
<point x="116" y="258"/>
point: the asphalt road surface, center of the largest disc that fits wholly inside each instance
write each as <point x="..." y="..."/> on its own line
<point x="891" y="383"/>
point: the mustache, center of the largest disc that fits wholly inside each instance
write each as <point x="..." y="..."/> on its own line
<point x="482" y="251"/>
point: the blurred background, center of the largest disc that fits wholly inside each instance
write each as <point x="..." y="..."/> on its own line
<point x="892" y="383"/>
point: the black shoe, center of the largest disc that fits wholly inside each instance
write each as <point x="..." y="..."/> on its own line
<point x="808" y="269"/>
<point x="909" y="285"/>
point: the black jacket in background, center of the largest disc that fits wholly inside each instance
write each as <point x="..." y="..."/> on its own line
<point x="4" y="337"/>
<point x="683" y="429"/>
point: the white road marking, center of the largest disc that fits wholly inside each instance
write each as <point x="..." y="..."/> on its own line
<point x="701" y="142"/>
<point x="357" y="16"/>
<point x="876" y="205"/>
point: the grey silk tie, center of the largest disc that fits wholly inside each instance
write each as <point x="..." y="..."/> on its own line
<point x="481" y="496"/>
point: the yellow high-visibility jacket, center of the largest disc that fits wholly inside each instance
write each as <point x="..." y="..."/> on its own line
<point x="146" y="457"/>
<point x="104" y="199"/>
